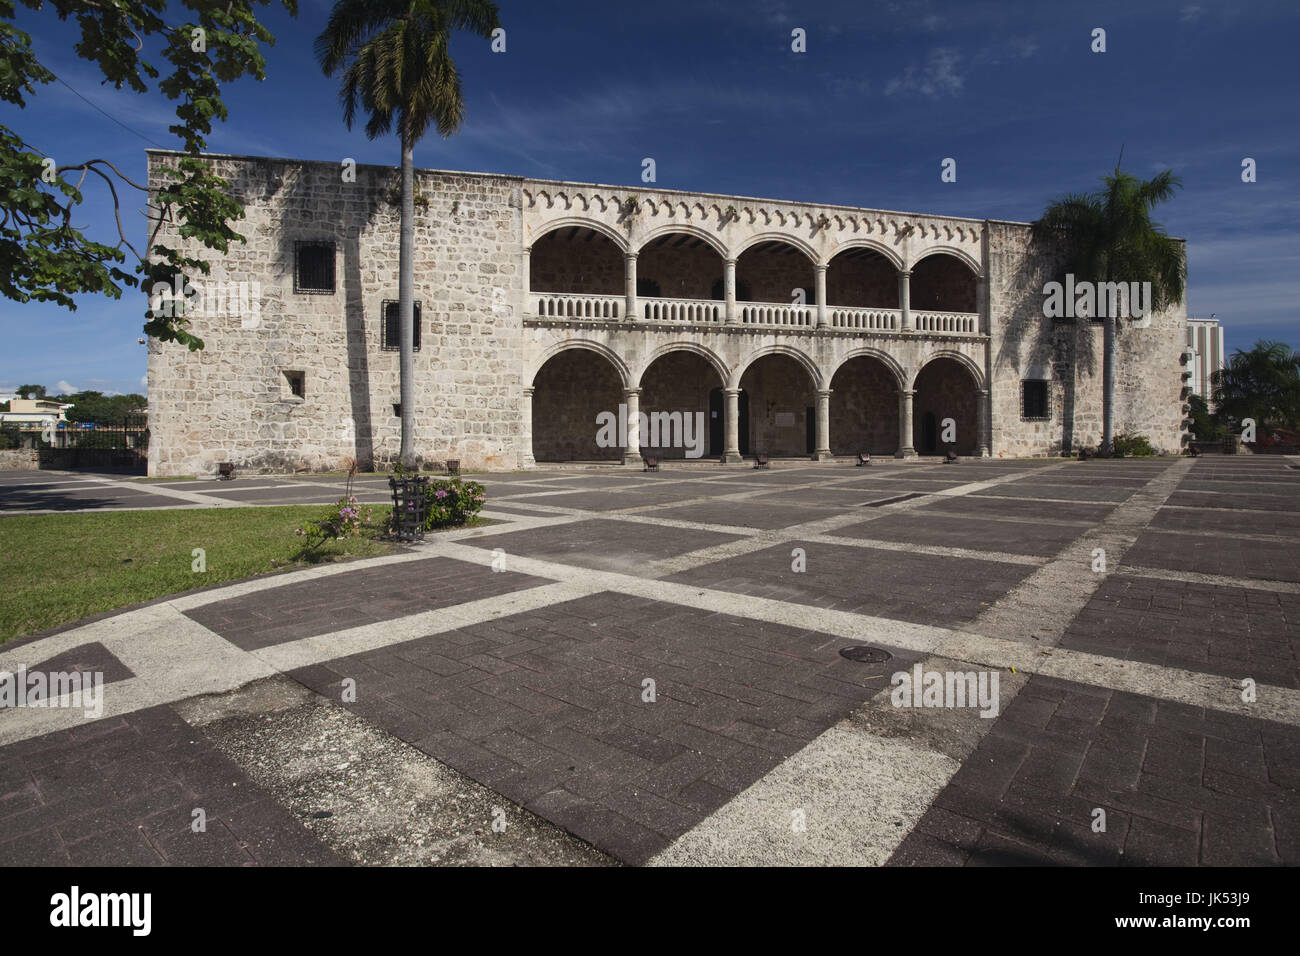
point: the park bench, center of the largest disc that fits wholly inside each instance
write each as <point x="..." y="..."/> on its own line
<point x="651" y="463"/>
<point x="761" y="461"/>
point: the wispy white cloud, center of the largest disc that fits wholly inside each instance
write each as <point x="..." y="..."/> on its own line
<point x="938" y="76"/>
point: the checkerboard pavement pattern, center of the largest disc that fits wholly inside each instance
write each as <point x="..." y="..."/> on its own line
<point x="651" y="660"/>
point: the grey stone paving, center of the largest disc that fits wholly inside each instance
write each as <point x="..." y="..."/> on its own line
<point x="525" y="686"/>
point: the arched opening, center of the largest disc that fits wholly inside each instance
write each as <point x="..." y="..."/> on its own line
<point x="678" y="265"/>
<point x="770" y="271"/>
<point x="782" y="406"/>
<point x="864" y="408"/>
<point x="569" y="391"/>
<point x="943" y="283"/>
<point x="860" y="278"/>
<point x="576" y="259"/>
<point x="677" y="400"/>
<point x="944" y="409"/>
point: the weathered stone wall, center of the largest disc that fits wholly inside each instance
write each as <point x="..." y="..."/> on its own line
<point x="1068" y="353"/>
<point x="944" y="390"/>
<point x="864" y="409"/>
<point x="864" y="282"/>
<point x="18" y="459"/>
<point x="483" y="344"/>
<point x="594" y="267"/>
<point x="680" y="271"/>
<point x="231" y="401"/>
<point x="679" y="382"/>
<point x="570" y="391"/>
<point x="772" y="276"/>
<point x="780" y="394"/>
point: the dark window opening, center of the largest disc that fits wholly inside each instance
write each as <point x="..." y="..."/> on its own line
<point x="719" y="291"/>
<point x="648" y="287"/>
<point x="1034" y="400"/>
<point x="390" y="331"/>
<point x="313" y="269"/>
<point x="296" y="383"/>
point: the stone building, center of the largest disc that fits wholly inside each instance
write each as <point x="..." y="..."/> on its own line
<point x="797" y="329"/>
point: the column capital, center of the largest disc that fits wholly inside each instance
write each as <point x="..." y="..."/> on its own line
<point x="821" y="266"/>
<point x="630" y="255"/>
<point x="908" y="392"/>
<point x="528" y="391"/>
<point x="732" y="391"/>
<point x="729" y="260"/>
<point x="905" y="273"/>
<point x="824" y="393"/>
<point x="632" y="393"/>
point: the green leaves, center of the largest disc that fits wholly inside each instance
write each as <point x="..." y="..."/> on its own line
<point x="1263" y="384"/>
<point x="42" y="256"/>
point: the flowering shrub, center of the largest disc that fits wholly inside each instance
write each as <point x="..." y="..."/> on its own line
<point x="452" y="502"/>
<point x="345" y="521"/>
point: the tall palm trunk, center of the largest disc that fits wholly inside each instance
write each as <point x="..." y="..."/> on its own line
<point x="1108" y="386"/>
<point x="406" y="300"/>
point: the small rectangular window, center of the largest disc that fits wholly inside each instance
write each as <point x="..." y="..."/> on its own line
<point x="1034" y="400"/>
<point x="295" y="384"/>
<point x="390" y="331"/>
<point x="313" y="268"/>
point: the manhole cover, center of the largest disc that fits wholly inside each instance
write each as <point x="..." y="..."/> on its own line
<point x="865" y="655"/>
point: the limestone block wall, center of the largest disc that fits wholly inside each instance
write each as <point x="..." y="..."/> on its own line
<point x="1068" y="354"/>
<point x="232" y="401"/>
<point x="864" y="409"/>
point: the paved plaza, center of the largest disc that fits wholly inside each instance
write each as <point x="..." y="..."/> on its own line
<point x="696" y="666"/>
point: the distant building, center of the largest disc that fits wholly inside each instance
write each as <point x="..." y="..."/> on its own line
<point x="1205" y="341"/>
<point x="31" y="415"/>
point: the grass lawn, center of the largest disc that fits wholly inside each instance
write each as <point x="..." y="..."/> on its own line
<point x="60" y="568"/>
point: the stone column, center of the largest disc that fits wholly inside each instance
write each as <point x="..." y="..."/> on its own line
<point x="526" y="459"/>
<point x="629" y="276"/>
<point x="821" y="295"/>
<point x="982" y="420"/>
<point x="526" y="276"/>
<point x="729" y="284"/>
<point x="632" y="402"/>
<point x="822" y="450"/>
<point x="981" y="304"/>
<point x="731" y="413"/>
<point x="905" y="301"/>
<point x="905" y="449"/>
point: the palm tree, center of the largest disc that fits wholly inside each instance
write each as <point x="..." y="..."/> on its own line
<point x="1108" y="236"/>
<point x="395" y="64"/>
<point x="1263" y="384"/>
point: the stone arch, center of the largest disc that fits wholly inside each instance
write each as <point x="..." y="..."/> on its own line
<point x="682" y="399"/>
<point x="704" y="352"/>
<point x="968" y="363"/>
<point x="873" y="244"/>
<point x="624" y="373"/>
<point x="551" y="225"/>
<point x="687" y="228"/>
<point x="970" y="261"/>
<point x="863" y="407"/>
<point x="946" y="387"/>
<point x="808" y="364"/>
<point x="573" y="388"/>
<point x="866" y="351"/>
<point x="776" y="236"/>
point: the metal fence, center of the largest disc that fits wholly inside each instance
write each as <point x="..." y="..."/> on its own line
<point x="94" y="447"/>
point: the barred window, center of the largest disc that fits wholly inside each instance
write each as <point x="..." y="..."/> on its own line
<point x="1034" y="400"/>
<point x="390" y="328"/>
<point x="313" y="268"/>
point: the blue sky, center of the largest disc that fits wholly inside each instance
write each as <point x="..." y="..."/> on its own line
<point x="713" y="92"/>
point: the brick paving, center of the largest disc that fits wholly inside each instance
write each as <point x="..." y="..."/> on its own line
<point x="548" y="709"/>
<point x="544" y="706"/>
<point x="1180" y="786"/>
<point x="123" y="791"/>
